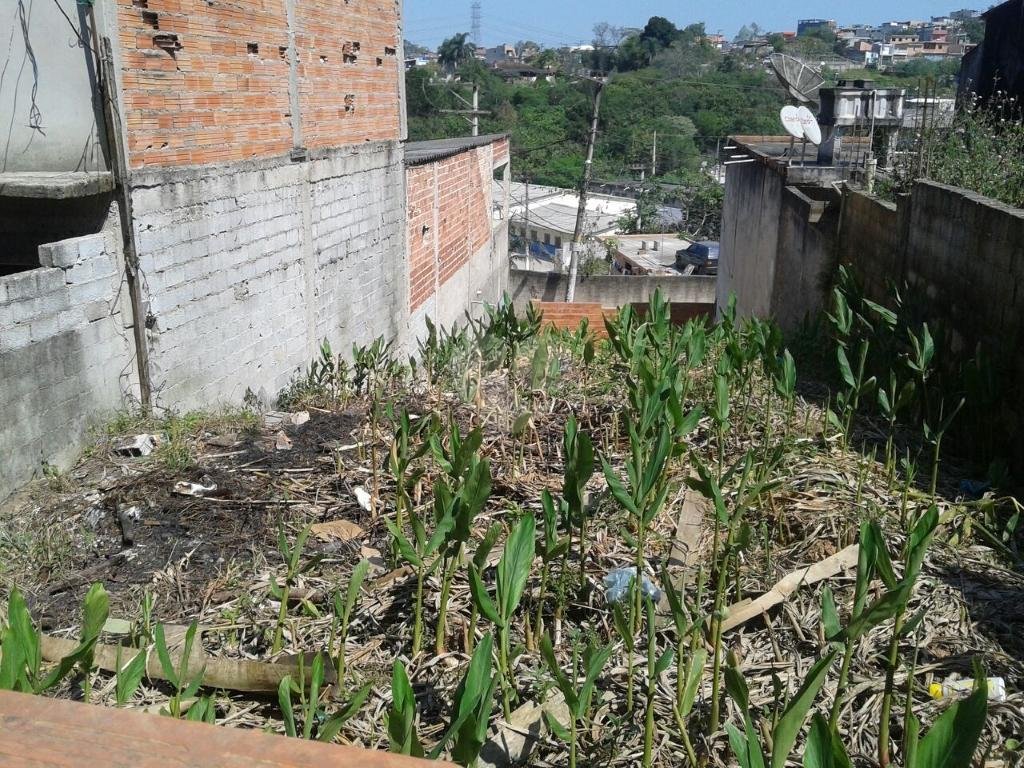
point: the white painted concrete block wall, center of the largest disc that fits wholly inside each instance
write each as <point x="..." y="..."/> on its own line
<point x="66" y="355"/>
<point x="247" y="267"/>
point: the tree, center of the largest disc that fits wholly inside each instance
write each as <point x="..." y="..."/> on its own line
<point x="608" y="35"/>
<point x="660" y="31"/>
<point x="974" y="28"/>
<point x="415" y="49"/>
<point x="455" y="50"/>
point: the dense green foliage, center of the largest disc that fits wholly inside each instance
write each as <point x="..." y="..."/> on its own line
<point x="663" y="79"/>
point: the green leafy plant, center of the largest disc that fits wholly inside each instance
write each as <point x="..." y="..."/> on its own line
<point x="291" y="554"/>
<point x="470" y="477"/>
<point x="313" y="717"/>
<point x="578" y="455"/>
<point x="422" y="553"/>
<point x="746" y="744"/>
<point x="21" y="653"/>
<point x="578" y="700"/>
<point x="128" y="677"/>
<point x="550" y="547"/>
<point x="183" y="679"/>
<point x="914" y="551"/>
<point x="872" y="560"/>
<point x="951" y="742"/>
<point x="752" y="480"/>
<point x="401" y="717"/>
<point x="471" y="711"/>
<point x="343" y="607"/>
<point x="691" y="655"/>
<point x="512" y="573"/>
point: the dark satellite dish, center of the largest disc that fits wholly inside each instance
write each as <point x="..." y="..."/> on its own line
<point x="801" y="80"/>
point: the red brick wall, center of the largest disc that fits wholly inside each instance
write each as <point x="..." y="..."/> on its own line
<point x="217" y="100"/>
<point x="567" y="317"/>
<point x="349" y="71"/>
<point x="462" y="185"/>
<point x="419" y="190"/>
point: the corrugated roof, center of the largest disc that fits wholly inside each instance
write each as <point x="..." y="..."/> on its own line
<point x="422" y="152"/>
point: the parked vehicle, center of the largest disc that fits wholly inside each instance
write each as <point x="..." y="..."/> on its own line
<point x="703" y="255"/>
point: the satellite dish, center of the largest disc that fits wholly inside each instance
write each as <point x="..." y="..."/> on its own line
<point x="812" y="131"/>
<point x="790" y="117"/>
<point x="801" y="80"/>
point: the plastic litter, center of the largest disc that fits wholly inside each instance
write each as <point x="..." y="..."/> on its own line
<point x="974" y="488"/>
<point x="617" y="585"/>
<point x="185" y="488"/>
<point x="962" y="688"/>
<point x="363" y="498"/>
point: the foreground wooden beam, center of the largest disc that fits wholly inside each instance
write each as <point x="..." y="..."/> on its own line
<point x="38" y="732"/>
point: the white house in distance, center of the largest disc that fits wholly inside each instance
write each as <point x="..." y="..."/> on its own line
<point x="543" y="230"/>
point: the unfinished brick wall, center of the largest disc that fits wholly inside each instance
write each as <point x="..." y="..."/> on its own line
<point x="349" y="70"/>
<point x="460" y="187"/>
<point x="208" y="81"/>
<point x="421" y="224"/>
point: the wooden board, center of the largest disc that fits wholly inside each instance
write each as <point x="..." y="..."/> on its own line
<point x="38" y="732"/>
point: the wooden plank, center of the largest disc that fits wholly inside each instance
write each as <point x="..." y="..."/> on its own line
<point x="741" y="613"/>
<point x="39" y="732"/>
<point x="686" y="550"/>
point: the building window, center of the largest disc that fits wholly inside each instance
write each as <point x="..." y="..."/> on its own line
<point x="547" y="239"/>
<point x="533" y="235"/>
<point x="558" y="242"/>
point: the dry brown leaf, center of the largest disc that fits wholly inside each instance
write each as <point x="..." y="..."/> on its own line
<point x="340" y="530"/>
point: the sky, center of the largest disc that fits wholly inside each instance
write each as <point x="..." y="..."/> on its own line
<point x="570" y="22"/>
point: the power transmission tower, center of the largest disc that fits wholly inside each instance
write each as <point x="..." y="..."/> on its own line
<point x="475" y="18"/>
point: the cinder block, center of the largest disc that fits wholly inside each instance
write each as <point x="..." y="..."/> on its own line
<point x="62" y="254"/>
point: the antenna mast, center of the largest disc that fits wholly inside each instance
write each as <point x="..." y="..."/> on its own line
<point x="475" y="19"/>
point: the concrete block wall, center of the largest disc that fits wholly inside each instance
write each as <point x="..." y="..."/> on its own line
<point x="247" y="266"/>
<point x="267" y="186"/>
<point x="457" y="241"/>
<point x="358" y="236"/>
<point x="66" y="354"/>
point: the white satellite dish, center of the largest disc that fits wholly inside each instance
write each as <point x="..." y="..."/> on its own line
<point x="812" y="131"/>
<point x="790" y="117"/>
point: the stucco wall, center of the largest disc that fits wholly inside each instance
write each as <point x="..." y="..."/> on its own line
<point x="805" y="257"/>
<point x="50" y="120"/>
<point x="956" y="256"/>
<point x="750" y="237"/>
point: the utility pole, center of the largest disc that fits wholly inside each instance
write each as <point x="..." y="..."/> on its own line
<point x="526" y="222"/>
<point x="476" y="110"/>
<point x="472" y="114"/>
<point x="581" y="211"/>
<point x="654" y="157"/>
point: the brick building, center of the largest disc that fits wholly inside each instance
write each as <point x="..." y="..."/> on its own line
<point x="195" y="193"/>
